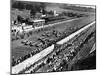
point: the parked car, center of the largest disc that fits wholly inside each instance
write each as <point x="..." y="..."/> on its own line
<point x="24" y="41"/>
<point x="31" y="43"/>
<point x="27" y="43"/>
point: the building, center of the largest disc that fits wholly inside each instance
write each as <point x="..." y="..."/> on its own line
<point x="38" y="22"/>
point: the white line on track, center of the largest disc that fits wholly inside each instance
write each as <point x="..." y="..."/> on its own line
<point x="16" y="69"/>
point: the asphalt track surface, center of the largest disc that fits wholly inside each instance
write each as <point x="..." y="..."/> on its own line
<point x="75" y="33"/>
<point x="16" y="69"/>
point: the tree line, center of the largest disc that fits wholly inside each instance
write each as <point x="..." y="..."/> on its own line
<point x="34" y="7"/>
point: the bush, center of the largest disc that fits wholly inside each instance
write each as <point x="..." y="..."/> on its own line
<point x="22" y="36"/>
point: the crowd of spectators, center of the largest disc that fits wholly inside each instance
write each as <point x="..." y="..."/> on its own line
<point x="63" y="54"/>
<point x="58" y="58"/>
<point x="20" y="59"/>
<point x="46" y="39"/>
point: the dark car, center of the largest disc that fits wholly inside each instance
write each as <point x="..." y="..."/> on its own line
<point x="27" y="43"/>
<point x="33" y="43"/>
<point x="24" y="41"/>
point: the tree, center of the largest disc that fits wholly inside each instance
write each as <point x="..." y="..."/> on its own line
<point x="50" y="12"/>
<point x="32" y="12"/>
<point x="22" y="36"/>
<point x="28" y="6"/>
<point x="19" y="18"/>
<point x="64" y="13"/>
<point x="30" y="32"/>
<point x="43" y="7"/>
<point x="18" y="4"/>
